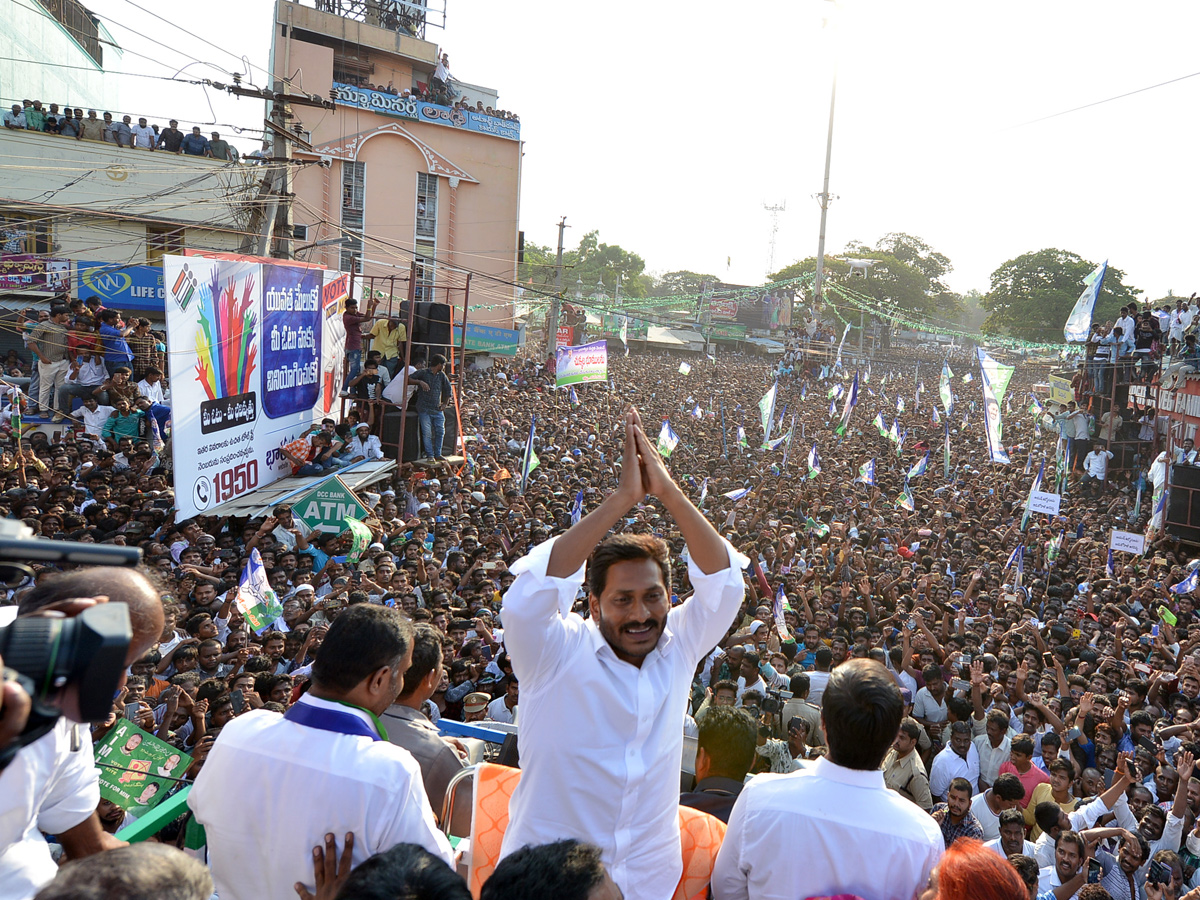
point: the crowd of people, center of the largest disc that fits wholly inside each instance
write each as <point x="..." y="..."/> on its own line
<point x="886" y="700"/>
<point x="31" y="115"/>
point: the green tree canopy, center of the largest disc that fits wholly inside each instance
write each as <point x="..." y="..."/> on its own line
<point x="908" y="277"/>
<point x="592" y="263"/>
<point x="1032" y="295"/>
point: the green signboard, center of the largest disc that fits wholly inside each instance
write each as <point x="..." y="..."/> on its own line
<point x="326" y="506"/>
<point x="727" y="332"/>
<point x="489" y="339"/>
<point x="611" y="326"/>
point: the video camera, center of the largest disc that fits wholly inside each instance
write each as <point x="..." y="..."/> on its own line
<point x="45" y="654"/>
<point x="774" y="701"/>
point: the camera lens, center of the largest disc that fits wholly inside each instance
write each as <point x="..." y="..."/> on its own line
<point x="35" y="647"/>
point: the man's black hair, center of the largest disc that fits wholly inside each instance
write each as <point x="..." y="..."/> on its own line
<point x="362" y="639"/>
<point x="728" y="736"/>
<point x="426" y="656"/>
<point x="563" y="870"/>
<point x="404" y="872"/>
<point x="861" y="710"/>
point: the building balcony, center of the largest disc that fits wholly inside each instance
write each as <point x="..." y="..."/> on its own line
<point x="395" y="26"/>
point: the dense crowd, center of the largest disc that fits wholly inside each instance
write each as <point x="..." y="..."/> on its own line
<point x="1041" y="703"/>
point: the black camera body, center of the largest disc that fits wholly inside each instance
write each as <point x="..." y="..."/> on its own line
<point x="88" y="650"/>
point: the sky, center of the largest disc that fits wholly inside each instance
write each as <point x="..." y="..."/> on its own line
<point x="668" y="126"/>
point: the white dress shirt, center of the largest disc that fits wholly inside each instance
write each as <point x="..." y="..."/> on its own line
<point x="988" y="820"/>
<point x="991" y="758"/>
<point x="152" y="392"/>
<point x="858" y="838"/>
<point x="93" y="422"/>
<point x="368" y="449"/>
<point x="600" y="739"/>
<point x="1081" y="819"/>
<point x="948" y="765"/>
<point x="47" y="787"/>
<point x="498" y="711"/>
<point x="271" y="789"/>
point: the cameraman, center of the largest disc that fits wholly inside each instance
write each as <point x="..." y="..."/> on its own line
<point x="52" y="784"/>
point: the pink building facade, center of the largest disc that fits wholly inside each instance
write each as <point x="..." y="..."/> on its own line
<point x="398" y="177"/>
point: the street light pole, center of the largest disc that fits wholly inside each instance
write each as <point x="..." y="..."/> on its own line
<point x="824" y="195"/>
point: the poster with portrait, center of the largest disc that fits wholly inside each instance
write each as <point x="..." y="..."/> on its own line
<point x="137" y="770"/>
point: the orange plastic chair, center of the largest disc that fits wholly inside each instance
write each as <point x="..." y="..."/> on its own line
<point x="700" y="834"/>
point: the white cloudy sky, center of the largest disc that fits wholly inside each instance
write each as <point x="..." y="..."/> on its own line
<point x="667" y="125"/>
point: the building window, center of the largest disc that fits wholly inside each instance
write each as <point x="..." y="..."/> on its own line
<point x="427" y="206"/>
<point x="426" y="271"/>
<point x="23" y="234"/>
<point x="354" y="178"/>
<point x="162" y="240"/>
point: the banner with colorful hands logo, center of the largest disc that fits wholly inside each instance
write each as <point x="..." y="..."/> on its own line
<point x="250" y="367"/>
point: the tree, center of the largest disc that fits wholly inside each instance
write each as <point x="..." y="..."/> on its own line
<point x="684" y="282"/>
<point x="1032" y="295"/>
<point x="908" y="276"/>
<point x="591" y="262"/>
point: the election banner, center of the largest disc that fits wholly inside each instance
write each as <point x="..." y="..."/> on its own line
<point x="991" y="416"/>
<point x="249" y="369"/>
<point x="137" y="770"/>
<point x="579" y="365"/>
<point x="326" y="506"/>
<point x="335" y="291"/>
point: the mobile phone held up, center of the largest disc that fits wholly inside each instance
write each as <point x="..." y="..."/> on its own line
<point x="1095" y="870"/>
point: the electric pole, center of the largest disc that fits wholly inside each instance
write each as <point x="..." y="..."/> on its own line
<point x="556" y="300"/>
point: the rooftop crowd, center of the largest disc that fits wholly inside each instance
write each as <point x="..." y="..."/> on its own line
<point x="31" y="115"/>
<point x="881" y="705"/>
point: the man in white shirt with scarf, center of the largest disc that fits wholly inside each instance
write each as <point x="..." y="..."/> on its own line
<point x="603" y="698"/>
<point x="274" y="785"/>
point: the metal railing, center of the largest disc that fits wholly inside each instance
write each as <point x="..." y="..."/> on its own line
<point x="402" y="16"/>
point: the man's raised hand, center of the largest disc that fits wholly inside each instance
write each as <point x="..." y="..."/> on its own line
<point x="631" y="485"/>
<point x="655" y="477"/>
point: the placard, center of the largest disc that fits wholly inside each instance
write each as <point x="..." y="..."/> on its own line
<point x="1044" y="503"/>
<point x="579" y="365"/>
<point x="1128" y="542"/>
<point x="137" y="770"/>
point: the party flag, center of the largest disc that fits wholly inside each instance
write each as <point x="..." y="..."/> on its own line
<point x="879" y="425"/>
<point x="530" y="460"/>
<point x="256" y="600"/>
<point x="1054" y="547"/>
<point x="1079" y="322"/>
<point x="766" y="408"/>
<point x="697" y="412"/>
<point x="899" y="404"/>
<point x="820" y="529"/>
<point x="577" y="509"/>
<point x="814" y="462"/>
<point x="1188" y="584"/>
<point x="894" y="432"/>
<point x="919" y="467"/>
<point x="1029" y="462"/>
<point x="866" y="472"/>
<point x="1109" y="569"/>
<point x="704" y="491"/>
<point x="968" y="378"/>
<point x="935" y="418"/>
<point x="1033" y="489"/>
<point x="741" y="438"/>
<point x="685" y="368"/>
<point x="848" y="408"/>
<point x="667" y="440"/>
<point x="832" y="408"/>
<point x="1015" y="557"/>
<point x="574" y="397"/>
<point x="944" y="389"/>
<point x="906" y="500"/>
<point x="738" y="494"/>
